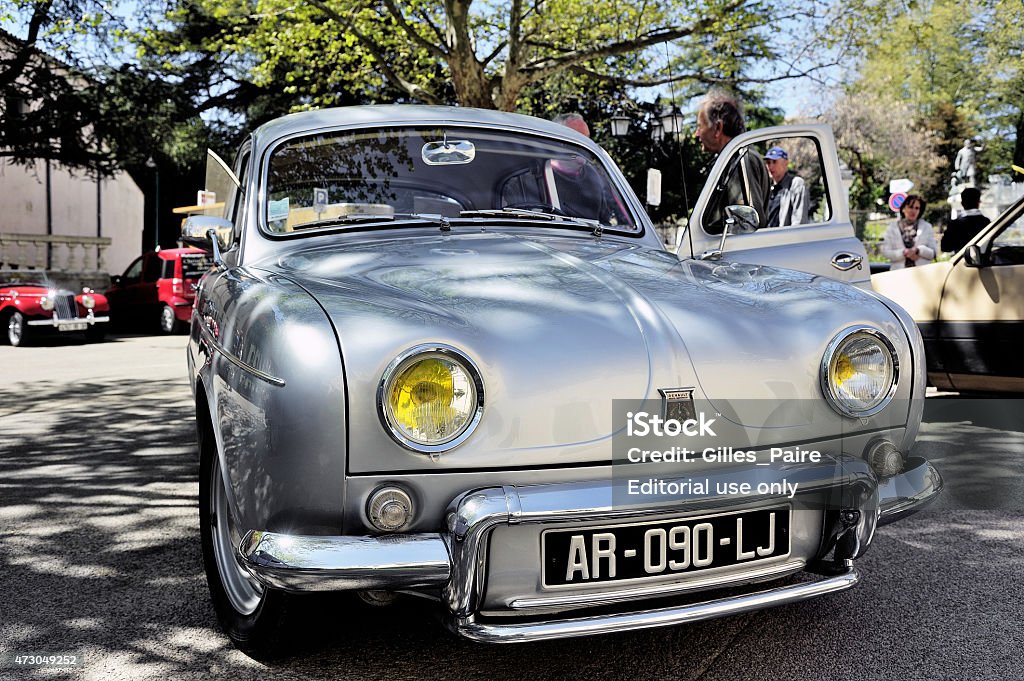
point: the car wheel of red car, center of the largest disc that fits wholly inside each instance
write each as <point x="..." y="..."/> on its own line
<point x="254" y="616"/>
<point x="168" y="320"/>
<point x="17" y="329"/>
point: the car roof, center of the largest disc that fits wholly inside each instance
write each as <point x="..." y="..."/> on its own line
<point x="407" y="114"/>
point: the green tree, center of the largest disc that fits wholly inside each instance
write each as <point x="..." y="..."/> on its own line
<point x="958" y="67"/>
<point x="483" y="55"/>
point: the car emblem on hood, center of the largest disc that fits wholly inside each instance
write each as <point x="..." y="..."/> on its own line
<point x="677" y="404"/>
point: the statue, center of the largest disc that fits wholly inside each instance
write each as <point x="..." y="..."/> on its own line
<point x="966" y="164"/>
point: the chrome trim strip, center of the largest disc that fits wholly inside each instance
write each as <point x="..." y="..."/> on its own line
<point x="662" y="617"/>
<point x="307" y="563"/>
<point x="263" y="376"/>
<point x="717" y="580"/>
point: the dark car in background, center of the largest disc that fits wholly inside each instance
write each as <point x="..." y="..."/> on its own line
<point x="158" y="288"/>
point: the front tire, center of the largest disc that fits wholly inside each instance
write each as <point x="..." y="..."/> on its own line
<point x="169" y="323"/>
<point x="17" y="330"/>
<point x="252" y="615"/>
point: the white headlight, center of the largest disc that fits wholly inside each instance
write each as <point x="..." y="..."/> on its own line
<point x="859" y="372"/>
<point x="430" y="398"/>
<point x="46" y="302"/>
<point x="88" y="302"/>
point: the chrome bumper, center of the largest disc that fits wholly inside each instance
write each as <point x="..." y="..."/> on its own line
<point x="649" y="619"/>
<point x="454" y="563"/>
<point x="63" y="324"/>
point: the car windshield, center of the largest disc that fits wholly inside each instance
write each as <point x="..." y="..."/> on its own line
<point x="390" y="175"/>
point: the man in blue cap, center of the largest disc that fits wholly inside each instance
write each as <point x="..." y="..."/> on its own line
<point x="787" y="200"/>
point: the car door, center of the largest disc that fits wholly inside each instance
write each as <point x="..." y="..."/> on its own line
<point x="121" y="294"/>
<point x="981" y="315"/>
<point x="148" y="290"/>
<point x="824" y="244"/>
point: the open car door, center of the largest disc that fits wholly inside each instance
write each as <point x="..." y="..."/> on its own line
<point x="822" y="242"/>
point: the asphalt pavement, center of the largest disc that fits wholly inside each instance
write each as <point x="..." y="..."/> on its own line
<point x="99" y="558"/>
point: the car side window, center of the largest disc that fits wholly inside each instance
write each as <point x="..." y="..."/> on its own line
<point x="794" y="195"/>
<point x="1008" y="246"/>
<point x="799" y="195"/>
<point x="233" y="206"/>
<point x="134" y="272"/>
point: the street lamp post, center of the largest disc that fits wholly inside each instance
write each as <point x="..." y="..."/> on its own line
<point x="661" y="125"/>
<point x="151" y="164"/>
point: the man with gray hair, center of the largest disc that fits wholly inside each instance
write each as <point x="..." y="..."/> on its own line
<point x="745" y="180"/>
<point x="575" y="122"/>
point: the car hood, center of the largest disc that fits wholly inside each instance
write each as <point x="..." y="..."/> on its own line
<point x="560" y="326"/>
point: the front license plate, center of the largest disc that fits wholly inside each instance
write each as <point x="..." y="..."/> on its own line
<point x="647" y="550"/>
<point x="76" y="326"/>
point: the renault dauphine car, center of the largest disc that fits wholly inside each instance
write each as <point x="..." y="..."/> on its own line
<point x="443" y="351"/>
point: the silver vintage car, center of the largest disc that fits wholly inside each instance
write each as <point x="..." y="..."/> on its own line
<point x="443" y="351"/>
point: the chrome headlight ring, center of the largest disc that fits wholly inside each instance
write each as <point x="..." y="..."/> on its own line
<point x="407" y="360"/>
<point x="832" y="393"/>
<point x="88" y="302"/>
<point x="47" y="302"/>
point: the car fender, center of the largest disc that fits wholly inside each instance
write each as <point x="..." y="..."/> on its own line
<point x="265" y="356"/>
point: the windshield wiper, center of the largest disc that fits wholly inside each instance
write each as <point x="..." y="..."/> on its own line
<point x="350" y="219"/>
<point x="529" y="214"/>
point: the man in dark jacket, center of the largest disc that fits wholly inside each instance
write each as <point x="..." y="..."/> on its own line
<point x="966" y="227"/>
<point x="745" y="181"/>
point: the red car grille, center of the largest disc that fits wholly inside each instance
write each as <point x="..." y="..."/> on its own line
<point x="65" y="306"/>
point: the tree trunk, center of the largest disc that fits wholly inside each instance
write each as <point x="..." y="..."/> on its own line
<point x="472" y="86"/>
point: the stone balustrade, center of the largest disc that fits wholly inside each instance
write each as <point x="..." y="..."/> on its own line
<point x="67" y="254"/>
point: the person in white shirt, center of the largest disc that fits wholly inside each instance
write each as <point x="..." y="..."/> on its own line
<point x="910" y="241"/>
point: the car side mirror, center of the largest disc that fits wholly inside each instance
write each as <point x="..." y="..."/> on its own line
<point x="209" y="233"/>
<point x="738" y="220"/>
<point x="974" y="257"/>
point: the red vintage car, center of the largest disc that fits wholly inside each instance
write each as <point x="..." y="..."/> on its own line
<point x="31" y="308"/>
<point x="159" y="286"/>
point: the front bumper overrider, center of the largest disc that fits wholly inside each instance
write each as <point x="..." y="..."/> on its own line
<point x="454" y="564"/>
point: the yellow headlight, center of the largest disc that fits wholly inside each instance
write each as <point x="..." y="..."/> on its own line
<point x="430" y="399"/>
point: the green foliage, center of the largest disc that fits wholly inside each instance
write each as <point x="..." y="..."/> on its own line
<point x="959" y="69"/>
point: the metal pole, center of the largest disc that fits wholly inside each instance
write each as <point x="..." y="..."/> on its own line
<point x="156" y="212"/>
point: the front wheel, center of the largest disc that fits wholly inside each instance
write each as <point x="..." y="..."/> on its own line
<point x="17" y="330"/>
<point x="252" y="615"/>
<point x="169" y="321"/>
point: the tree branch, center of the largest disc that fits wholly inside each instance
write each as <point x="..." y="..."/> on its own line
<point x="410" y="31"/>
<point x="370" y="46"/>
<point x="546" y="66"/>
<point x="16" y="65"/>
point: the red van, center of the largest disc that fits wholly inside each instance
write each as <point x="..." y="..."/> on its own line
<point x="159" y="286"/>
